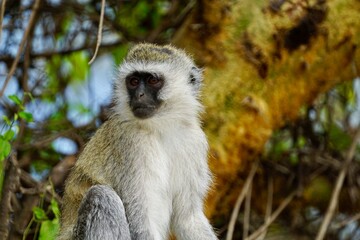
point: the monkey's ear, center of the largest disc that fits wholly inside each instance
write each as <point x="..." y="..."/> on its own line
<point x="195" y="79"/>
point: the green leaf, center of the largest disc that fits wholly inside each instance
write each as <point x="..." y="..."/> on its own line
<point x="15" y="99"/>
<point x="301" y="142"/>
<point x="338" y="138"/>
<point x="40" y="165"/>
<point x="49" y="229"/>
<point x="119" y="54"/>
<point x="26" y="116"/>
<point x="81" y="108"/>
<point x="282" y="146"/>
<point x="6" y="120"/>
<point x="5" y="148"/>
<point x="39" y="214"/>
<point x="55" y="208"/>
<point x="294" y="159"/>
<point x="9" y="135"/>
<point x="79" y="66"/>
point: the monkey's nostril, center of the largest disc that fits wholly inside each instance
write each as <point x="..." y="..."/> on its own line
<point x="140" y="94"/>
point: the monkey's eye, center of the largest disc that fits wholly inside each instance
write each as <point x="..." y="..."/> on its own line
<point x="153" y="81"/>
<point x="133" y="82"/>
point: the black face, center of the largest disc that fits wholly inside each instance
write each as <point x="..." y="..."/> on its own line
<point x="143" y="89"/>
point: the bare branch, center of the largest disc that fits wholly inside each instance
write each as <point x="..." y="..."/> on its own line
<point x="48" y="54"/>
<point x="342" y="224"/>
<point x="247" y="213"/>
<point x="2" y="12"/>
<point x="99" y="36"/>
<point x="22" y="44"/>
<point x="338" y="185"/>
<point x="272" y="218"/>
<point x="239" y="200"/>
<point x="269" y="203"/>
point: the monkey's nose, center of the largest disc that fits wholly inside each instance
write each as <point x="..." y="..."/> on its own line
<point x="140" y="94"/>
<point x="140" y="91"/>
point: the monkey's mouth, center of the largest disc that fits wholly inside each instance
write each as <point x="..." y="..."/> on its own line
<point x="143" y="112"/>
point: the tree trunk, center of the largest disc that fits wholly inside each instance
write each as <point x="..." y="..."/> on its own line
<point x="263" y="61"/>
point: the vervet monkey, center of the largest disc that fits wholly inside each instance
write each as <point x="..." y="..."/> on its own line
<point x="146" y="167"/>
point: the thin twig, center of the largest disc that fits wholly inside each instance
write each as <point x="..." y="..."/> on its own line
<point x="21" y="46"/>
<point x="338" y="185"/>
<point x="247" y="213"/>
<point x="239" y="200"/>
<point x="272" y="218"/>
<point x="270" y="197"/>
<point x="99" y="35"/>
<point x="342" y="224"/>
<point x="48" y="54"/>
<point x="2" y="12"/>
<point x="269" y="203"/>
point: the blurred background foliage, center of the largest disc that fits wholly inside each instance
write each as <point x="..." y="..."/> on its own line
<point x="282" y="97"/>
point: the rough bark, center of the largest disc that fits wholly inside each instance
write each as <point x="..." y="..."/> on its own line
<point x="263" y="61"/>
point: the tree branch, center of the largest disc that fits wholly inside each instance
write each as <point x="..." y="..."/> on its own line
<point x="11" y="183"/>
<point x="246" y="224"/>
<point x="99" y="36"/>
<point x="22" y="44"/>
<point x="338" y="185"/>
<point x="239" y="200"/>
<point x="48" y="54"/>
<point x="269" y="204"/>
<point x="2" y="11"/>
<point x="272" y="218"/>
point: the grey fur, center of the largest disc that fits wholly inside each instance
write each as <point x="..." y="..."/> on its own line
<point x="101" y="216"/>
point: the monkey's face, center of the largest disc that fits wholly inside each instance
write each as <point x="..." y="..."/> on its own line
<point x="157" y="82"/>
<point x="143" y="89"/>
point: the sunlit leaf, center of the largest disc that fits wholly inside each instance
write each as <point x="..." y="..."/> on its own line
<point x="49" y="229"/>
<point x="52" y="69"/>
<point x="39" y="213"/>
<point x="26" y="116"/>
<point x="9" y="135"/>
<point x="119" y="53"/>
<point x="15" y="99"/>
<point x="6" y="120"/>
<point x="5" y="148"/>
<point x="282" y="146"/>
<point x="301" y="141"/>
<point x="55" y="208"/>
<point x="79" y="66"/>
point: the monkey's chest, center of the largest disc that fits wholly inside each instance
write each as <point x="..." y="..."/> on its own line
<point x="161" y="171"/>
